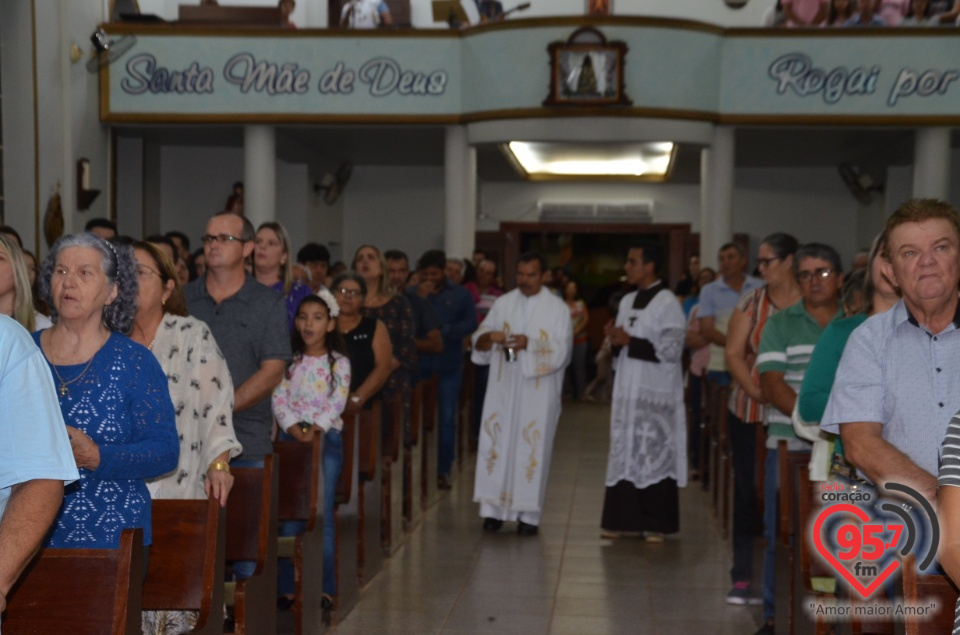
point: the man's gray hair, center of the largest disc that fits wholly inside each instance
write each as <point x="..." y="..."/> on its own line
<point x="819" y="251"/>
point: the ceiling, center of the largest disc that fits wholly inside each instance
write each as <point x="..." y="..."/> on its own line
<point x="871" y="148"/>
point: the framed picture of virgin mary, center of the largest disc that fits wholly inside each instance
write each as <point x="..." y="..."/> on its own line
<point x="587" y="70"/>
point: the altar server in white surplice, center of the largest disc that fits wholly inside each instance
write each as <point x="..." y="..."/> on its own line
<point x="648" y="458"/>
<point x="526" y="339"/>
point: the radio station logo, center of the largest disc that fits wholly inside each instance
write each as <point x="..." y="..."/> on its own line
<point x="864" y="537"/>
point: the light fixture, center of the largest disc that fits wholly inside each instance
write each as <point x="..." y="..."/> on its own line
<point x="106" y="51"/>
<point x="651" y="161"/>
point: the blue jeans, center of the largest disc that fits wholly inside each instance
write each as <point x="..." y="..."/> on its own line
<point x="447" y="401"/>
<point x="332" y="465"/>
<point x="770" y="499"/>
<point x="243" y="569"/>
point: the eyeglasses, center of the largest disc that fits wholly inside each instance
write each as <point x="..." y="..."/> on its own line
<point x="807" y="276"/>
<point x="348" y="293"/>
<point x="144" y="272"/>
<point x="220" y="238"/>
<point x="766" y="262"/>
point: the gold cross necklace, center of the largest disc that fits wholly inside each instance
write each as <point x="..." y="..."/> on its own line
<point x="63" y="390"/>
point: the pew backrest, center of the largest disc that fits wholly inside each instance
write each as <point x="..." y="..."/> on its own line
<point x="248" y="518"/>
<point x="186" y="565"/>
<point x="300" y="482"/>
<point x="80" y="591"/>
<point x="921" y="589"/>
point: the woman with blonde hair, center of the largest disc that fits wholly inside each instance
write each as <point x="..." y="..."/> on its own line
<point x="16" y="297"/>
<point x="272" y="266"/>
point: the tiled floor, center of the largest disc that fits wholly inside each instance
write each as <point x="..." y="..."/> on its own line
<point x="451" y="578"/>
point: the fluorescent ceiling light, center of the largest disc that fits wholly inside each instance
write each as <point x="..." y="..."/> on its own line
<point x="546" y="160"/>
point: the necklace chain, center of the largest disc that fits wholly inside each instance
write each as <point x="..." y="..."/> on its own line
<point x="63" y="390"/>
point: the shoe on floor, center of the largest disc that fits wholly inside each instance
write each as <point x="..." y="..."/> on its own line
<point x="652" y="536"/>
<point x="284" y="603"/>
<point x="742" y="594"/>
<point x="443" y="482"/>
<point x="609" y="533"/>
<point x="524" y="529"/>
<point x="326" y="602"/>
<point x="766" y="629"/>
<point x="491" y="525"/>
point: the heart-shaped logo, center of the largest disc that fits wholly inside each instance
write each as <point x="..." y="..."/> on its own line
<point x="864" y="591"/>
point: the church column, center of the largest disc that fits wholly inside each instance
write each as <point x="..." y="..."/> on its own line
<point x="931" y="163"/>
<point x="716" y="195"/>
<point x="460" y="193"/>
<point x="259" y="174"/>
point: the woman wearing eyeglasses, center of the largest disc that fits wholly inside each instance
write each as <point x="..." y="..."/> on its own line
<point x="368" y="343"/>
<point x="200" y="389"/>
<point x="747" y="406"/>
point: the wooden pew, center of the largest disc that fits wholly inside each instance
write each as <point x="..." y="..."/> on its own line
<point x="719" y="463"/>
<point x="392" y="476"/>
<point x="348" y="523"/>
<point x="788" y="465"/>
<point x="413" y="462"/>
<point x="807" y="573"/>
<point x="301" y="498"/>
<point x="369" y="494"/>
<point x="185" y="572"/>
<point x="252" y="535"/>
<point x="80" y="591"/>
<point x="923" y="589"/>
<point x="428" y="470"/>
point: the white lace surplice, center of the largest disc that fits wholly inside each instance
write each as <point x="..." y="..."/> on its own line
<point x="648" y="432"/>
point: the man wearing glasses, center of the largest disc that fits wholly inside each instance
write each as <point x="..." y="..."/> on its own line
<point x="785" y="347"/>
<point x="249" y="322"/>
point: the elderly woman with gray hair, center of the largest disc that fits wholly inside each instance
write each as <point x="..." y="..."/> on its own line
<point x="112" y="391"/>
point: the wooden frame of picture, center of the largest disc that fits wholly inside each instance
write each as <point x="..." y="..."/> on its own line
<point x="587" y="70"/>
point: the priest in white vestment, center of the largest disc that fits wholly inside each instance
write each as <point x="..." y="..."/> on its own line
<point x="648" y="439"/>
<point x="526" y="339"/>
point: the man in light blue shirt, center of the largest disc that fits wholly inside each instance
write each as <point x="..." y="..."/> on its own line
<point x="898" y="383"/>
<point x="35" y="454"/>
<point x="717" y="302"/>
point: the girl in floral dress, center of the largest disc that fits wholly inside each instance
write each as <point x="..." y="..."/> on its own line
<point x="309" y="400"/>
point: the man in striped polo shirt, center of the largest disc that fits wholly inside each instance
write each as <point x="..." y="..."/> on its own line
<point x="785" y="348"/>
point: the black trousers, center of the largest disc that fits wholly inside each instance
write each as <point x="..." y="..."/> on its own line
<point x="654" y="508"/>
<point x="743" y="446"/>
